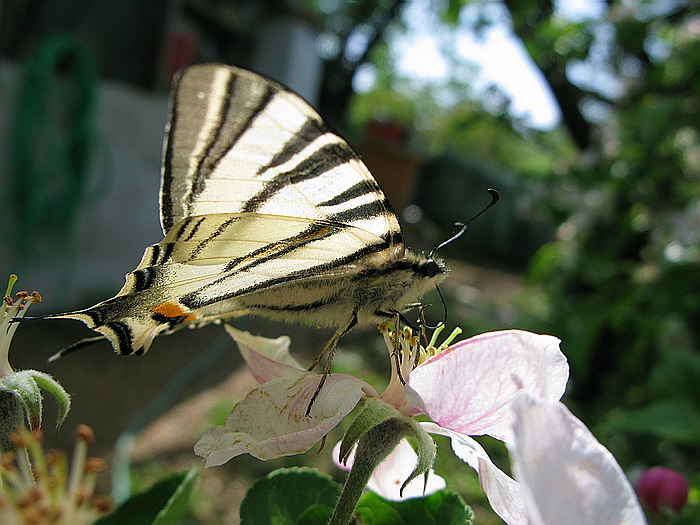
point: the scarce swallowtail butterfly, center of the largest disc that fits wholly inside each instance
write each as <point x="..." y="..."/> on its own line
<point x="266" y="212"/>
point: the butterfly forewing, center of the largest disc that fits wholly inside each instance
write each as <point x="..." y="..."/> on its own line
<point x="240" y="143"/>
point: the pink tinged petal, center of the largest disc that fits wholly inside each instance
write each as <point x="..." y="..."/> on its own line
<point x="468" y="387"/>
<point x="271" y="421"/>
<point x="391" y="473"/>
<point x="266" y="358"/>
<point x="566" y="474"/>
<point x="503" y="492"/>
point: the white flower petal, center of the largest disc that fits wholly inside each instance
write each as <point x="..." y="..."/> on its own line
<point x="504" y="493"/>
<point x="566" y="474"/>
<point x="391" y="473"/>
<point x="469" y="386"/>
<point x="266" y="358"/>
<point x="271" y="421"/>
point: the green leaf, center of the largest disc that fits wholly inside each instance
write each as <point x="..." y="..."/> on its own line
<point x="441" y="508"/>
<point x="177" y="504"/>
<point x="316" y="514"/>
<point x="674" y="419"/>
<point x="284" y="497"/>
<point x="374" y="510"/>
<point x="157" y="505"/>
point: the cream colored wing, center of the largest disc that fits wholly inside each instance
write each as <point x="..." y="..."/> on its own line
<point x="238" y="142"/>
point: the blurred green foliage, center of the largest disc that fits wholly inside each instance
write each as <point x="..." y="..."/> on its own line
<point x="620" y="180"/>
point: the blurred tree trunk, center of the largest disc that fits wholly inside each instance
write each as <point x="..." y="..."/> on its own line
<point x="528" y="18"/>
<point x="374" y="17"/>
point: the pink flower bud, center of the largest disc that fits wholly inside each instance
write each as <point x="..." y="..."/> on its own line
<point x="660" y="487"/>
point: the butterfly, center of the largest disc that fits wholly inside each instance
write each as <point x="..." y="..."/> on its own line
<point x="265" y="212"/>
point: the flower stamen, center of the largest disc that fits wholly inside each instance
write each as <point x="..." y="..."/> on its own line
<point x="44" y="497"/>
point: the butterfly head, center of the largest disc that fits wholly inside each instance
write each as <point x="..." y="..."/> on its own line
<point x="433" y="267"/>
<point x="427" y="270"/>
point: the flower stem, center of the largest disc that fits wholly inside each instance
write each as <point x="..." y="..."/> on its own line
<point x="375" y="445"/>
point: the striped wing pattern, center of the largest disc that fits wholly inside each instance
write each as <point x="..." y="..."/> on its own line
<point x="250" y="145"/>
<point x="257" y="195"/>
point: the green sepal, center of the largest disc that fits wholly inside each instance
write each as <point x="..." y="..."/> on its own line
<point x="372" y="412"/>
<point x="25" y="389"/>
<point x="25" y="385"/>
<point x="53" y="387"/>
<point x="425" y="449"/>
<point x="376" y="411"/>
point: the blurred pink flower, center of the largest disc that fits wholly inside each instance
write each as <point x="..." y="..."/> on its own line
<point x="660" y="487"/>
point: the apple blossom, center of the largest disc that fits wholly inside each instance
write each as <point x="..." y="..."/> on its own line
<point x="271" y="420"/>
<point x="20" y="391"/>
<point x="564" y="475"/>
<point x="450" y="387"/>
<point x="464" y="389"/>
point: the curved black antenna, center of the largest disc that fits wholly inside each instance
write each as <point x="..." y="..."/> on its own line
<point x="421" y="317"/>
<point x="494" y="199"/>
<point x="462" y="226"/>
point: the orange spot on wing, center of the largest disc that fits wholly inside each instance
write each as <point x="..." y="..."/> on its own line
<point x="172" y="311"/>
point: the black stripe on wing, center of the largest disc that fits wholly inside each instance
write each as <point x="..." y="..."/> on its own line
<point x="143" y="278"/>
<point x="319" y="162"/>
<point x="124" y="337"/>
<point x="298" y="307"/>
<point x="166" y="200"/>
<point x="222" y="138"/>
<point x="310" y="131"/>
<point x="209" y="163"/>
<point x="363" y="187"/>
<point x="368" y="210"/>
<point x="202" y="173"/>
<point x="212" y="236"/>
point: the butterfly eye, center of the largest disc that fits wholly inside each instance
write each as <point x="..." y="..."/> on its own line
<point x="431" y="268"/>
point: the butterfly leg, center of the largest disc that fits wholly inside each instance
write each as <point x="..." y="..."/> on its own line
<point x="328" y="352"/>
<point x="399" y="320"/>
<point x="397" y="347"/>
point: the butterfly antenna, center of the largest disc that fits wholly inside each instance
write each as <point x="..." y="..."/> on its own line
<point x="462" y="226"/>
<point x="444" y="308"/>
